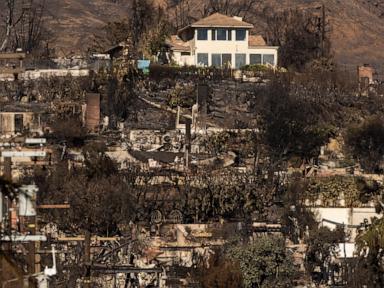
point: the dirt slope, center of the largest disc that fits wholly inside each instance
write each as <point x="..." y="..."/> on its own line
<point x="357" y="25"/>
<point x="74" y="22"/>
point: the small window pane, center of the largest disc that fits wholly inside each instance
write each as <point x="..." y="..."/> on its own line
<point x="240" y="34"/>
<point x="240" y="60"/>
<point x="19" y="123"/>
<point x="202" y="59"/>
<point x="226" y="60"/>
<point x="216" y="60"/>
<point x="229" y="34"/>
<point x="269" y="59"/>
<point x="213" y="31"/>
<point x="185" y="53"/>
<point x="221" y="34"/>
<point x="202" y="34"/>
<point x="254" y="59"/>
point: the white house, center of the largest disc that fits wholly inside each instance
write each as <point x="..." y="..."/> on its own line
<point x="219" y="40"/>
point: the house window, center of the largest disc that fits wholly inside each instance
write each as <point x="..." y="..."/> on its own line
<point x="269" y="59"/>
<point x="222" y="34"/>
<point x="202" y="34"/>
<point x="221" y="60"/>
<point x="240" y="60"/>
<point x="202" y="59"/>
<point x="226" y="60"/>
<point x="240" y="34"/>
<point x="216" y="60"/>
<point x="254" y="59"/>
<point x="19" y="123"/>
<point x="185" y="53"/>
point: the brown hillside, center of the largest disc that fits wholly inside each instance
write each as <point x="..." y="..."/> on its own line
<point x="74" y="22"/>
<point x="357" y="26"/>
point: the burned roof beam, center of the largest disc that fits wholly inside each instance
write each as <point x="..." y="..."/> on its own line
<point x="122" y="269"/>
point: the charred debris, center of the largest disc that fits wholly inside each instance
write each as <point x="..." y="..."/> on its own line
<point x="112" y="177"/>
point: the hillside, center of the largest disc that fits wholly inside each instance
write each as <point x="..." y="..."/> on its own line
<point x="357" y="26"/>
<point x="74" y="22"/>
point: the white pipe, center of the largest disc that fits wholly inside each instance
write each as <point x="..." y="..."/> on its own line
<point x="54" y="258"/>
<point x="51" y="271"/>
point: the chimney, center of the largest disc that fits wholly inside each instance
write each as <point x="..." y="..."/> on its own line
<point x="177" y="124"/>
<point x="188" y="134"/>
<point x="92" y="114"/>
<point x="7" y="172"/>
<point x="365" y="74"/>
<point x="366" y="71"/>
<point x="202" y="98"/>
<point x="202" y="102"/>
<point x="238" y="18"/>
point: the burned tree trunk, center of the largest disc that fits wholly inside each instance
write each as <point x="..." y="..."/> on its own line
<point x="23" y="24"/>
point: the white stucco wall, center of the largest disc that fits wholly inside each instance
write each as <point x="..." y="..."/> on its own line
<point x="232" y="47"/>
<point x="348" y="216"/>
<point x="221" y="46"/>
<point x="264" y="50"/>
<point x="46" y="73"/>
<point x="182" y="60"/>
<point x="7" y="122"/>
